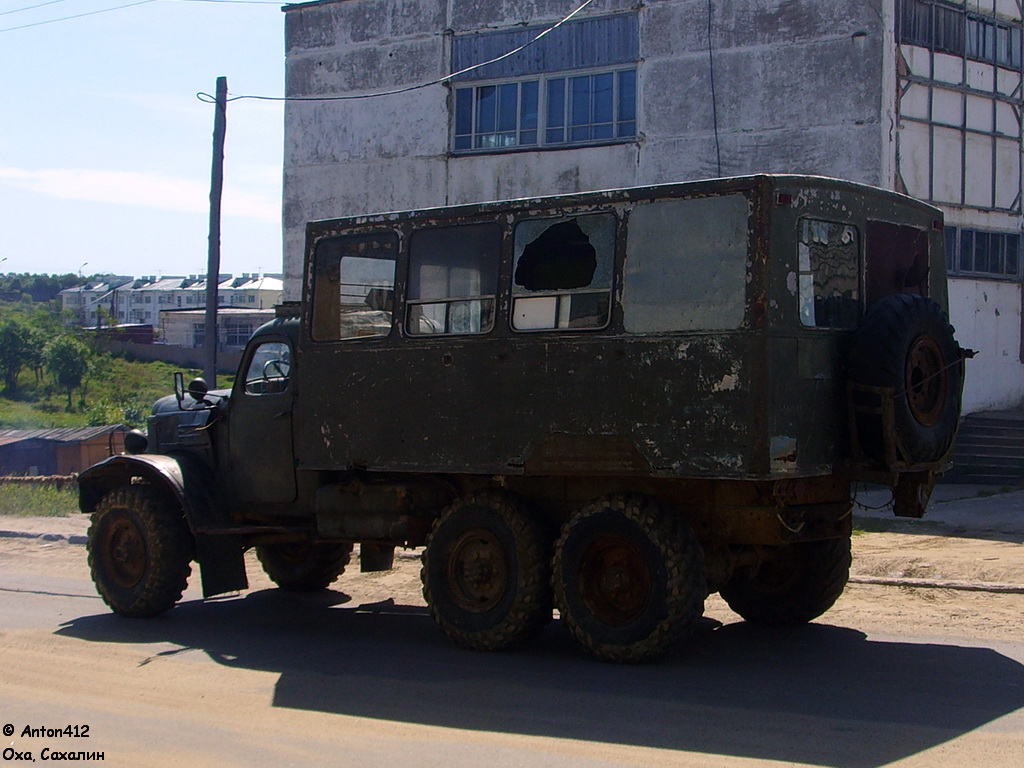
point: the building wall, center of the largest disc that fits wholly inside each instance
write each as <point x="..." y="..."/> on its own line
<point x="797" y="87"/>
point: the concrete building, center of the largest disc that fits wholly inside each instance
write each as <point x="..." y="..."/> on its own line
<point x="921" y="96"/>
<point x="141" y="300"/>
<point x="187" y="327"/>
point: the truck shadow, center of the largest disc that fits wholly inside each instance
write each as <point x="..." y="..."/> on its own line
<point x="816" y="694"/>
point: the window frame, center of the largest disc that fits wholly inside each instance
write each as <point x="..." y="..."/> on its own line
<point x="449" y="301"/>
<point x="965" y="245"/>
<point x="558" y="294"/>
<point x="540" y="126"/>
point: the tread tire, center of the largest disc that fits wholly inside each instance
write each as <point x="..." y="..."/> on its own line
<point x="140" y="550"/>
<point x="897" y="331"/>
<point x="486" y="572"/>
<point x="304" y="566"/>
<point x="799" y="584"/>
<point x="663" y="556"/>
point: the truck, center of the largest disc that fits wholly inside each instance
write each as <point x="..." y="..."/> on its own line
<point x="607" y="404"/>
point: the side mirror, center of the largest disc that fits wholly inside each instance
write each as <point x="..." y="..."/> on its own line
<point x="198" y="389"/>
<point x="179" y="386"/>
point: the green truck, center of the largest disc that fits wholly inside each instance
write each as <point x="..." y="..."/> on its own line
<point x="608" y="403"/>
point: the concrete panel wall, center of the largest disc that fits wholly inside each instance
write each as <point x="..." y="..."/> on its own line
<point x="987" y="318"/>
<point x="797" y="88"/>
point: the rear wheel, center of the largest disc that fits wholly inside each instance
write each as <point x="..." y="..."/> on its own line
<point x="629" y="578"/>
<point x="795" y="584"/>
<point x="139" y="551"/>
<point x="486" y="572"/>
<point x="304" y="566"/>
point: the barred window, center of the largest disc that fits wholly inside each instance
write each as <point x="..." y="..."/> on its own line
<point x="975" y="252"/>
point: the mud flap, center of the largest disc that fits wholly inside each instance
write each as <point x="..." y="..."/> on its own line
<point x="912" y="492"/>
<point x="221" y="565"/>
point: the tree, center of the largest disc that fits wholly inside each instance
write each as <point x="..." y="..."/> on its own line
<point x="68" y="359"/>
<point x="15" y="351"/>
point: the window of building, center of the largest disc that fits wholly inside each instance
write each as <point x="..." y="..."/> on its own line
<point x="952" y="29"/>
<point x="453" y="278"/>
<point x="238" y="334"/>
<point x="975" y="252"/>
<point x="562" y="273"/>
<point x="353" y="290"/>
<point x="198" y="334"/>
<point x="576" y="85"/>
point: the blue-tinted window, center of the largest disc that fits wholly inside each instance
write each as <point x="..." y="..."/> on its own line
<point x="577" y="109"/>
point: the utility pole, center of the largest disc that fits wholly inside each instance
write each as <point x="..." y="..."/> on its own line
<point x="220" y="120"/>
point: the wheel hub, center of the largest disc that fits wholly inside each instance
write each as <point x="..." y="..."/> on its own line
<point x="477" y="571"/>
<point x="615" y="580"/>
<point x="925" y="380"/>
<point x="127" y="550"/>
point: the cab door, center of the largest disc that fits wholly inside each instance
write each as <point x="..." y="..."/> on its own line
<point x="260" y="425"/>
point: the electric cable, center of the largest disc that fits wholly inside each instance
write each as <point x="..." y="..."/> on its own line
<point x="714" y="99"/>
<point x="78" y="15"/>
<point x="208" y="99"/>
<point x="31" y="7"/>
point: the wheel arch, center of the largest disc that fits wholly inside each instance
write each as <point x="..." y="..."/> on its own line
<point x="178" y="476"/>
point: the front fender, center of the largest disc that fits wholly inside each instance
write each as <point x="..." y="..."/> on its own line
<point x="182" y="476"/>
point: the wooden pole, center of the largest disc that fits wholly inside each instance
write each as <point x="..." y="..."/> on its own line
<point x="220" y="119"/>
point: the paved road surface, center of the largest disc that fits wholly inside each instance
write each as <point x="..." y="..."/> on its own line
<point x="350" y="679"/>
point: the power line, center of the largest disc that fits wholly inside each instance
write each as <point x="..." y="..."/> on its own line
<point x="31" y="7"/>
<point x="78" y="15"/>
<point x="207" y="98"/>
<point x="116" y="8"/>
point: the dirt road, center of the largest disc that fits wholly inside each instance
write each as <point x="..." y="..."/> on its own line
<point x="914" y="677"/>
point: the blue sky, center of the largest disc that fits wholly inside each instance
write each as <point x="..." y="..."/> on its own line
<point x="105" y="151"/>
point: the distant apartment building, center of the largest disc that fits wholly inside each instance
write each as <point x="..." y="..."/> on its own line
<point x="129" y="301"/>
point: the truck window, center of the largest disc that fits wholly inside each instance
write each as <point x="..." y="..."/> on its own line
<point x="829" y="279"/>
<point x="267" y="373"/>
<point x="353" y="286"/>
<point x="686" y="265"/>
<point x="453" y="279"/>
<point x="562" y="277"/>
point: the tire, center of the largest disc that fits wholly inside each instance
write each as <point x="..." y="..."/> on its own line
<point x="304" y="566"/>
<point x="907" y="343"/>
<point x="798" y="583"/>
<point x="486" y="572"/>
<point x="629" y="578"/>
<point x="140" y="551"/>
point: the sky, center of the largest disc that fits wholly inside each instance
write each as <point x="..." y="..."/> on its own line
<point x="105" y="151"/>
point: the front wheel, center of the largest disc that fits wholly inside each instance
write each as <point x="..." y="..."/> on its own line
<point x="629" y="578"/>
<point x="304" y="566"/>
<point x="795" y="584"/>
<point x="139" y="551"/>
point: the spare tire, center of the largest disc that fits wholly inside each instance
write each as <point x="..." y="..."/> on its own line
<point x="906" y="344"/>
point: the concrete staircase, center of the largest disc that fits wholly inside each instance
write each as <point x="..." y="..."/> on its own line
<point x="989" y="449"/>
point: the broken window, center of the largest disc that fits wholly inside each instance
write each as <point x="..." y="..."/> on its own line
<point x="829" y="279"/>
<point x="353" y="290"/>
<point x="562" y="275"/>
<point x="453" y="277"/>
<point x="686" y="265"/>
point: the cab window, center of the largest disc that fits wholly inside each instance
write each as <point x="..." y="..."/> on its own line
<point x="269" y="369"/>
